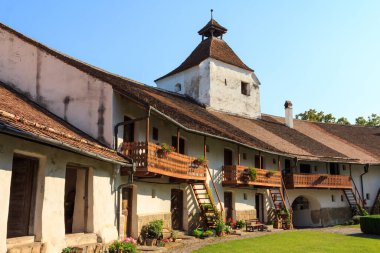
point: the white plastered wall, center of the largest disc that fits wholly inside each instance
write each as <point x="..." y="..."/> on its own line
<point x="82" y="100"/>
<point x="50" y="192"/>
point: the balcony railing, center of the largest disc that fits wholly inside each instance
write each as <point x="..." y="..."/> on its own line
<point x="233" y="175"/>
<point x="317" y="181"/>
<point x="175" y="165"/>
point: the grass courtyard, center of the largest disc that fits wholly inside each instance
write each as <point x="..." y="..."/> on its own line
<point x="297" y="241"/>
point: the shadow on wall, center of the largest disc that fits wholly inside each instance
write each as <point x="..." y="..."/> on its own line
<point x="306" y="212"/>
<point x="194" y="218"/>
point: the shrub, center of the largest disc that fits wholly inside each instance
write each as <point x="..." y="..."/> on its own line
<point x="198" y="233"/>
<point x="69" y="250"/>
<point x="240" y="223"/>
<point x="208" y="233"/>
<point x="220" y="227"/>
<point x="370" y="224"/>
<point x="122" y="247"/>
<point x="356" y="219"/>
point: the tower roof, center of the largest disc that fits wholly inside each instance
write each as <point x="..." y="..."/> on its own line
<point x="214" y="48"/>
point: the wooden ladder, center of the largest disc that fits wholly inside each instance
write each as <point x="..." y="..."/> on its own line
<point x="376" y="205"/>
<point x="354" y="199"/>
<point x="206" y="203"/>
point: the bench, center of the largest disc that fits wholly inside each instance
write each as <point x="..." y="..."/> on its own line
<point x="252" y="224"/>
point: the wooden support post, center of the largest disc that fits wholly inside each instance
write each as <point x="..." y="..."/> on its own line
<point x="238" y="155"/>
<point x="260" y="165"/>
<point x="278" y="163"/>
<point x="204" y="147"/>
<point x="178" y="137"/>
<point x="147" y="129"/>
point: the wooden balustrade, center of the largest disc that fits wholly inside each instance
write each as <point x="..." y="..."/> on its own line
<point x="233" y="176"/>
<point x="317" y="181"/>
<point x="147" y="159"/>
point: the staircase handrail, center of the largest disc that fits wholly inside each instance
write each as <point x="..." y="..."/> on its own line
<point x="357" y="195"/>
<point x="215" y="189"/>
<point x="286" y="194"/>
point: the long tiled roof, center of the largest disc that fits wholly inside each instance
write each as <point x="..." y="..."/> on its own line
<point x="17" y="112"/>
<point x="307" y="140"/>
<point x="209" y="48"/>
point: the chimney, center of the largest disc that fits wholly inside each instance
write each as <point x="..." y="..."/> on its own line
<point x="288" y="113"/>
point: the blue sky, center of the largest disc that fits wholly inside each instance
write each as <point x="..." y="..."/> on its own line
<point x="319" y="54"/>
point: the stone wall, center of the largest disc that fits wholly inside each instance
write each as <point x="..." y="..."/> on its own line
<point x="246" y="214"/>
<point x="334" y="216"/>
<point x="145" y="219"/>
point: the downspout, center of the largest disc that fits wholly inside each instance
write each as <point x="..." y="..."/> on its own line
<point x="366" y="169"/>
<point x="130" y="176"/>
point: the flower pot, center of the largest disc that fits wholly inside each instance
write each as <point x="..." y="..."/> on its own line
<point x="150" y="241"/>
<point x="162" y="153"/>
<point x="277" y="224"/>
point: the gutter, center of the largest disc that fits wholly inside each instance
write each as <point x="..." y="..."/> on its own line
<point x="43" y="140"/>
<point x="366" y="169"/>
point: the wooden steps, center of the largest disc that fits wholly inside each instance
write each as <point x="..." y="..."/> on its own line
<point x="376" y="205"/>
<point x="208" y="209"/>
<point x="280" y="200"/>
<point x="354" y="200"/>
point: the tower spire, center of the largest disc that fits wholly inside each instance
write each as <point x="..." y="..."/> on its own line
<point x="212" y="29"/>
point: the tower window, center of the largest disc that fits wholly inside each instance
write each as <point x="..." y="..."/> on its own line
<point x="155" y="134"/>
<point x="177" y="87"/>
<point x="245" y="90"/>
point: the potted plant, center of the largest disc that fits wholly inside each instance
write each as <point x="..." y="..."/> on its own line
<point x="208" y="233"/>
<point x="199" y="161"/>
<point x="249" y="174"/>
<point x="69" y="250"/>
<point x="152" y="231"/>
<point x="269" y="174"/>
<point x="165" y="150"/>
<point x="220" y="227"/>
<point x="198" y="233"/>
<point x="173" y="235"/>
<point x="240" y="224"/>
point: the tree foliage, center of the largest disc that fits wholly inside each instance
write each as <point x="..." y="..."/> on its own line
<point x="314" y="115"/>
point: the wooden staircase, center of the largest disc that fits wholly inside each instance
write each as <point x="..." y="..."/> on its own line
<point x="354" y="199"/>
<point x="206" y="203"/>
<point x="280" y="199"/>
<point x="376" y="205"/>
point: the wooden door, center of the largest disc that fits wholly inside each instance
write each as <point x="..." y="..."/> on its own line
<point x="259" y="207"/>
<point x="22" y="195"/>
<point x="181" y="148"/>
<point x="227" y="156"/>
<point x="129" y="131"/>
<point x="176" y="208"/>
<point x="127" y="210"/>
<point x="228" y="204"/>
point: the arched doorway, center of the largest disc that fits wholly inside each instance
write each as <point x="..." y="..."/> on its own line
<point x="306" y="212"/>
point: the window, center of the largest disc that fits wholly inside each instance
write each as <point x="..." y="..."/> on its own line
<point x="227" y="157"/>
<point x="332" y="198"/>
<point x="153" y="193"/>
<point x="225" y="82"/>
<point x="367" y="196"/>
<point x="244" y="156"/>
<point x="129" y="131"/>
<point x="341" y="198"/>
<point x="245" y="196"/>
<point x="259" y="162"/>
<point x="245" y="90"/>
<point x="207" y="148"/>
<point x="155" y="134"/>
<point x="178" y="87"/>
<point x="305" y="168"/>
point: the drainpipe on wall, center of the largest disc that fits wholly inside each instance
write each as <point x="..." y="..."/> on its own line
<point x="366" y="168"/>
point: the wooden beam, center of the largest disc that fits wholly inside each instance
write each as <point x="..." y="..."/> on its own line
<point x="238" y="155"/>
<point x="260" y="165"/>
<point x="178" y="137"/>
<point x="147" y="130"/>
<point x="204" y="147"/>
<point x="278" y="163"/>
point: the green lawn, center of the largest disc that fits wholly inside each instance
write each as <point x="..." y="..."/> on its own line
<point x="297" y="241"/>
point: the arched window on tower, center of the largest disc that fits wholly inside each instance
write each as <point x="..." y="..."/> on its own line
<point x="178" y="87"/>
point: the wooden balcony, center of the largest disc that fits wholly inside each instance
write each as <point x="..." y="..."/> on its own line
<point x="149" y="163"/>
<point x="233" y="176"/>
<point x="323" y="181"/>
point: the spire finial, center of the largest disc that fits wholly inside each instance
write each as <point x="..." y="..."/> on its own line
<point x="211" y="12"/>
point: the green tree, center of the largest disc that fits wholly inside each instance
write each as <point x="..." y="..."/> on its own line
<point x="361" y="121"/>
<point x="373" y="120"/>
<point x="343" y="121"/>
<point x="328" y="118"/>
<point x="311" y="115"/>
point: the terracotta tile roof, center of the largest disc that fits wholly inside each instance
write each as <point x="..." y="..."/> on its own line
<point x="210" y="48"/>
<point x="19" y="113"/>
<point x="307" y="140"/>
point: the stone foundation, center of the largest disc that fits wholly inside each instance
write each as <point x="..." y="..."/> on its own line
<point x="245" y="215"/>
<point x="334" y="216"/>
<point x="145" y="219"/>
